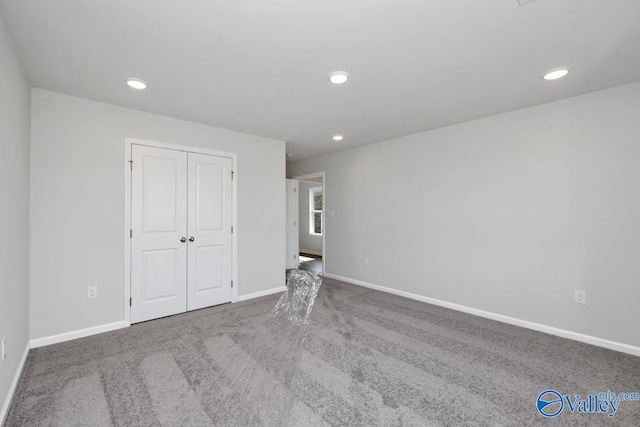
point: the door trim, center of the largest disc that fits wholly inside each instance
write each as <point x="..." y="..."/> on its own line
<point x="126" y="311"/>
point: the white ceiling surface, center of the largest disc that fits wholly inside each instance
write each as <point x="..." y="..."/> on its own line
<point x="261" y="67"/>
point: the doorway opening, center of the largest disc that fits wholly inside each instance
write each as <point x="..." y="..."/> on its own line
<point x="312" y="229"/>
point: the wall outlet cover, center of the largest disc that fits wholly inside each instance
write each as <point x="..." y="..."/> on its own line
<point x="92" y="292"/>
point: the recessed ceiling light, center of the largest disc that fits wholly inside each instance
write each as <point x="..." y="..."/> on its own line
<point x="137" y="83"/>
<point x="556" y="74"/>
<point x="338" y="77"/>
<point x="337" y="137"/>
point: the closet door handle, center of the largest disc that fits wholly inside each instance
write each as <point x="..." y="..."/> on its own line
<point x="191" y="238"/>
<point x="183" y="239"/>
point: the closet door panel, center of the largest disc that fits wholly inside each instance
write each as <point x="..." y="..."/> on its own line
<point x="158" y="223"/>
<point x="209" y="249"/>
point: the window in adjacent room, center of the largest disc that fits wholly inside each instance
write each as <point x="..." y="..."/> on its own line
<point x="315" y="211"/>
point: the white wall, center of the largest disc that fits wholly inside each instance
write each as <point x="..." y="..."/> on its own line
<point x="14" y="211"/>
<point x="508" y="214"/>
<point x="310" y="243"/>
<point x="77" y="206"/>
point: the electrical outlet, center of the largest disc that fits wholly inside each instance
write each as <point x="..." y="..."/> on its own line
<point x="4" y="348"/>
<point x="580" y="297"/>
<point x="366" y="262"/>
<point x="92" y="292"/>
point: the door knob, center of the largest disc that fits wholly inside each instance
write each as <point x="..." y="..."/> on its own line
<point x="183" y="239"/>
<point x="191" y="238"/>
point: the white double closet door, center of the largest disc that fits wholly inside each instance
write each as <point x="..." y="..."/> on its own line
<point x="181" y="231"/>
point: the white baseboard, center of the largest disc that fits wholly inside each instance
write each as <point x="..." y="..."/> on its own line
<point x="14" y="385"/>
<point x="600" y="342"/>
<point x="81" y="333"/>
<point x="307" y="251"/>
<point x="261" y="293"/>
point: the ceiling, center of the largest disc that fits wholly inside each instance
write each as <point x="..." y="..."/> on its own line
<point x="261" y="67"/>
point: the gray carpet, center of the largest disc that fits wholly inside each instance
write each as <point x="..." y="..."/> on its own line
<point x="371" y="359"/>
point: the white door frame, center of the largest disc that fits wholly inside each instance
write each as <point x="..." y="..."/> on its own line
<point x="127" y="213"/>
<point x="324" y="212"/>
